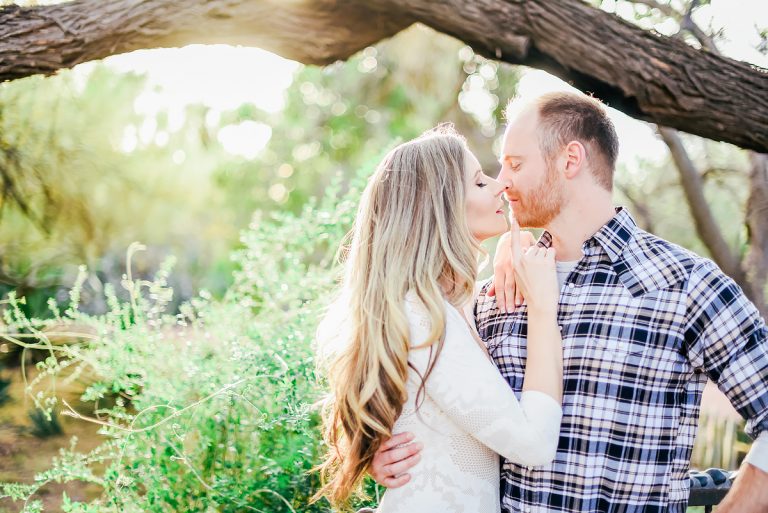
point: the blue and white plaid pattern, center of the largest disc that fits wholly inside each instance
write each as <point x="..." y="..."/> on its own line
<point x="644" y="322"/>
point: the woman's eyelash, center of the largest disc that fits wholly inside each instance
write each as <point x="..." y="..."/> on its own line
<point x="480" y="184"/>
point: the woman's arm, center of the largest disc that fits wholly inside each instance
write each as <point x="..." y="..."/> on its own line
<point x="536" y="277"/>
<point x="466" y="386"/>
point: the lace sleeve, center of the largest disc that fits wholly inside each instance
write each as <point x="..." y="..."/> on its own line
<point x="466" y="385"/>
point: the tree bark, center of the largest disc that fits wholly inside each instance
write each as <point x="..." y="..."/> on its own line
<point x="646" y="75"/>
<point x="756" y="261"/>
<point x="44" y="39"/>
<point x="752" y="271"/>
<point x="706" y="225"/>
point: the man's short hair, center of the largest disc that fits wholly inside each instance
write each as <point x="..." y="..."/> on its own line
<point x="568" y="116"/>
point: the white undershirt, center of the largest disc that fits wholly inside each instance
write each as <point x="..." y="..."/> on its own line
<point x="758" y="454"/>
<point x="563" y="270"/>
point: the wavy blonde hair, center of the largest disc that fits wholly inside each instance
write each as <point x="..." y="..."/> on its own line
<point x="410" y="234"/>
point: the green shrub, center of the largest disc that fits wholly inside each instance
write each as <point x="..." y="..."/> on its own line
<point x="211" y="409"/>
<point x="5" y="385"/>
<point x="45" y="423"/>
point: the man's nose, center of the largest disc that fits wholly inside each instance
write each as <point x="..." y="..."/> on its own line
<point x="498" y="188"/>
<point x="504" y="178"/>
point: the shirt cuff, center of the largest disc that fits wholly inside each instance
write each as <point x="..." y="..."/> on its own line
<point x="758" y="454"/>
<point x="541" y="406"/>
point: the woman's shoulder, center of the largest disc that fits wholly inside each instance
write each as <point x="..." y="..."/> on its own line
<point x="421" y="322"/>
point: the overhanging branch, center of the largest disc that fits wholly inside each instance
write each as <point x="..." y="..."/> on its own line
<point x="644" y="74"/>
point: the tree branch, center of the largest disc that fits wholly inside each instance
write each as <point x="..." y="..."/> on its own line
<point x="756" y="260"/>
<point x="638" y="207"/>
<point x="665" y="9"/>
<point x="706" y="226"/>
<point x="643" y="74"/>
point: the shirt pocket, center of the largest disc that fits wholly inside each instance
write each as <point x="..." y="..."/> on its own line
<point x="604" y="360"/>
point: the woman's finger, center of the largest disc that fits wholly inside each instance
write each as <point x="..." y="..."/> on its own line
<point x="514" y="239"/>
<point x="499" y="279"/>
<point x="400" y="453"/>
<point x="509" y="292"/>
<point x="399" y="468"/>
<point x="551" y="253"/>
<point x="527" y="240"/>
<point x="398" y="439"/>
<point x="518" y="296"/>
<point x="396" y="482"/>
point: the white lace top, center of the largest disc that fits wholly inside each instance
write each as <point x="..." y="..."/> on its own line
<point x="468" y="417"/>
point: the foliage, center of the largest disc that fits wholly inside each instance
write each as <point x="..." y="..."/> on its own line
<point x="4" y="385"/>
<point x="45" y="423"/>
<point x="206" y="404"/>
<point x="74" y="145"/>
<point x="210" y="409"/>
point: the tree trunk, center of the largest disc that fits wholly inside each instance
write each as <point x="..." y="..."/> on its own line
<point x="756" y="261"/>
<point x="646" y="75"/>
<point x="706" y="226"/>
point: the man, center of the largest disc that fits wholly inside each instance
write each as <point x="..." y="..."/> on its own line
<point x="644" y="323"/>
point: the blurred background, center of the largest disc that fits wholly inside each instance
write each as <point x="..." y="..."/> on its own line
<point x="198" y="152"/>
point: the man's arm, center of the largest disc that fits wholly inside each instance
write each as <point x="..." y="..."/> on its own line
<point x="726" y="337"/>
<point x="394" y="458"/>
<point x="749" y="492"/>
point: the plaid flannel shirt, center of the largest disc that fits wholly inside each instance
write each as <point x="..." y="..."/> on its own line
<point x="644" y="322"/>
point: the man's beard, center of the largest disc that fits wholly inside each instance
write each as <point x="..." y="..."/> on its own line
<point x="538" y="207"/>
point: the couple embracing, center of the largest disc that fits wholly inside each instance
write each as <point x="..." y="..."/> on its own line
<point x="569" y="383"/>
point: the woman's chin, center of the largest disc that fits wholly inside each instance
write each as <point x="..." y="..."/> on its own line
<point x="482" y="237"/>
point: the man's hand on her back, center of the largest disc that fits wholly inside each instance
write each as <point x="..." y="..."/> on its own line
<point x="508" y="295"/>
<point x="394" y="458"/>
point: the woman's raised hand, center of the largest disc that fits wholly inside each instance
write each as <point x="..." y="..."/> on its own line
<point x="535" y="272"/>
<point x="508" y="295"/>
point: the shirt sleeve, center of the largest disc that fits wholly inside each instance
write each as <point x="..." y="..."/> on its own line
<point x="726" y="338"/>
<point x="468" y="387"/>
<point x="758" y="453"/>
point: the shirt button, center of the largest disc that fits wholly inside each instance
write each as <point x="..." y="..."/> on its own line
<point x="560" y="328"/>
<point x="529" y="468"/>
<point x="571" y="285"/>
<point x="527" y="510"/>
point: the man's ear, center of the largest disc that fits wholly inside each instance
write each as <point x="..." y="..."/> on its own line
<point x="575" y="157"/>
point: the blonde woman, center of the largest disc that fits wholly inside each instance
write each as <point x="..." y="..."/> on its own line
<point x="409" y="359"/>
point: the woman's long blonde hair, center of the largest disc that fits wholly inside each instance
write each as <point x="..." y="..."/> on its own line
<point x="410" y="234"/>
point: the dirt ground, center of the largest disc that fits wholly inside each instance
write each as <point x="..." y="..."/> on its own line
<point x="22" y="454"/>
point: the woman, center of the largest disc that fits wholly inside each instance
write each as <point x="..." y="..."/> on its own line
<point x="410" y="360"/>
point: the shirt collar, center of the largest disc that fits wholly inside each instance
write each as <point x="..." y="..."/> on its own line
<point x="613" y="236"/>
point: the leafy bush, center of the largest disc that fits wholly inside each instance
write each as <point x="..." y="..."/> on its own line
<point x="210" y="409"/>
<point x="5" y="384"/>
<point x="45" y="423"/>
